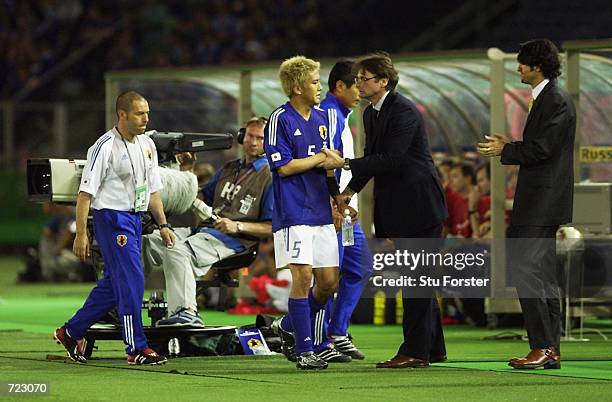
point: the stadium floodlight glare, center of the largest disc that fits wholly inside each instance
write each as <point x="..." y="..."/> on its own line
<point x="58" y="180"/>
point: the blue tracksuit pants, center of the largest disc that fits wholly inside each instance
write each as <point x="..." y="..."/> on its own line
<point x="118" y="235"/>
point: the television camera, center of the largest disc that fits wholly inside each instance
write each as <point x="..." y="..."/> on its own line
<point x="57" y="180"/>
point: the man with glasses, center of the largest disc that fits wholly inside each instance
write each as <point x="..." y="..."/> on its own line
<point x="408" y="197"/>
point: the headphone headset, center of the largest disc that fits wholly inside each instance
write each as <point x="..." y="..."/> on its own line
<point x="242" y="132"/>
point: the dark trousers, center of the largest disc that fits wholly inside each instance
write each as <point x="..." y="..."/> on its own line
<point x="422" y="325"/>
<point x="534" y="271"/>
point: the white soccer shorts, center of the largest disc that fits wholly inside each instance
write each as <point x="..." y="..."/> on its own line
<point x="311" y="245"/>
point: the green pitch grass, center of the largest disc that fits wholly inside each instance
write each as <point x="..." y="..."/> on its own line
<point x="476" y="370"/>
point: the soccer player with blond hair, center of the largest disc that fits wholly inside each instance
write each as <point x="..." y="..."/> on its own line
<point x="304" y="235"/>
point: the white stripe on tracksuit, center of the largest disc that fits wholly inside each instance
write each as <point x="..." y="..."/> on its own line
<point x="128" y="328"/>
<point x="332" y="115"/>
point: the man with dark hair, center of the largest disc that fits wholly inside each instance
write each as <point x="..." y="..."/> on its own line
<point x="125" y="100"/>
<point x="355" y="260"/>
<point x="543" y="198"/>
<point x="409" y="199"/>
<point x="461" y="181"/>
<point x="120" y="181"/>
<point x="381" y="67"/>
<point x="342" y="79"/>
<point x="444" y="168"/>
<point x="540" y="55"/>
<point x="479" y="202"/>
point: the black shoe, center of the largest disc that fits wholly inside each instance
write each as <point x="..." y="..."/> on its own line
<point x="147" y="356"/>
<point x="289" y="352"/>
<point x="346" y="346"/>
<point x="310" y="361"/>
<point x="287" y="340"/>
<point x="331" y="355"/>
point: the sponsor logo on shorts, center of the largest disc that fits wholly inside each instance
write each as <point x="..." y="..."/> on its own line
<point x="121" y="240"/>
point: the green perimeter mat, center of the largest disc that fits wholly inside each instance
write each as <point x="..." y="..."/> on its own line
<point x="593" y="369"/>
<point x="476" y="369"/>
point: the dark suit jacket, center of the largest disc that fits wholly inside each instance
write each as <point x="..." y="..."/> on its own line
<point x="408" y="196"/>
<point x="545" y="187"/>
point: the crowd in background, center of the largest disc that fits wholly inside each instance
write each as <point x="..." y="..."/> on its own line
<point x="467" y="189"/>
<point x="37" y="35"/>
<point x="148" y="33"/>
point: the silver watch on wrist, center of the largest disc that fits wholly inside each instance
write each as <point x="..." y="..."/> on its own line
<point x="347" y="165"/>
<point x="240" y="227"/>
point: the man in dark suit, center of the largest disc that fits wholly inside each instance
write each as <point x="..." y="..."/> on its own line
<point x="543" y="199"/>
<point x="408" y="196"/>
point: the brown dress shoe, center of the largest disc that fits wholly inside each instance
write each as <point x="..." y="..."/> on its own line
<point x="400" y="361"/>
<point x="545" y="358"/>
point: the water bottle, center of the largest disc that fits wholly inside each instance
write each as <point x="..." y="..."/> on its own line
<point x="347" y="229"/>
<point x="174" y="347"/>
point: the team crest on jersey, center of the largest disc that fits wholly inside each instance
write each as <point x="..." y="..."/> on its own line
<point x="121" y="240"/>
<point x="149" y="155"/>
<point x="323" y="132"/>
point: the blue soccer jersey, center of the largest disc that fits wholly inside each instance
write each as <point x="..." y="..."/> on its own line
<point x="338" y="127"/>
<point x="340" y="136"/>
<point x="301" y="199"/>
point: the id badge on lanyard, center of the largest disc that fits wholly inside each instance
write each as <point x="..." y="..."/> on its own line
<point x="140" y="199"/>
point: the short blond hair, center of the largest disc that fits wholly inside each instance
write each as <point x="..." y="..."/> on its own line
<point x="294" y="72"/>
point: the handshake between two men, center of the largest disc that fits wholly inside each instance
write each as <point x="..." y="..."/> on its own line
<point x="333" y="160"/>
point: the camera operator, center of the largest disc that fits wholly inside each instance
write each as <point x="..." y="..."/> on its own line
<point x="240" y="195"/>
